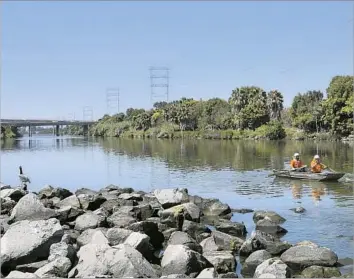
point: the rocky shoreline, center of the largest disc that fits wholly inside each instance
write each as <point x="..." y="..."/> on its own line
<point x="118" y="232"/>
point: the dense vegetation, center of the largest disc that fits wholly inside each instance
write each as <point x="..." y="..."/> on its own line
<point x="9" y="132"/>
<point x="249" y="112"/>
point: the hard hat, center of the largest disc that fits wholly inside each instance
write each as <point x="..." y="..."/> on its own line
<point x="296" y="154"/>
<point x="317" y="157"/>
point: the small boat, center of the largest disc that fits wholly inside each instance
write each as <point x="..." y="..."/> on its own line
<point x="323" y="176"/>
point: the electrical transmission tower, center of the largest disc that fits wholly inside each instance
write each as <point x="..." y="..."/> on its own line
<point x="112" y="100"/>
<point x="159" y="78"/>
<point x="87" y="113"/>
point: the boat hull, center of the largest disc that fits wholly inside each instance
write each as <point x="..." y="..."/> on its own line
<point x="326" y="176"/>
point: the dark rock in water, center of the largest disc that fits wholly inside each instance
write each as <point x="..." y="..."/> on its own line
<point x="227" y="242"/>
<point x="301" y="256"/>
<point x="264" y="241"/>
<point x="89" y="220"/>
<point x="232" y="228"/>
<point x="208" y="273"/>
<point x="49" y="192"/>
<point x="298" y="209"/>
<point x="31" y="267"/>
<point x="223" y="261"/>
<point x="7" y="205"/>
<point x="86" y="236"/>
<point x="30" y="208"/>
<point x="121" y="262"/>
<point x="179" y="259"/>
<point x="217" y="208"/>
<point x="228" y="275"/>
<point x="254" y="260"/>
<point x="268" y="226"/>
<point x="90" y="202"/>
<point x="242" y="210"/>
<point x="150" y="229"/>
<point x="14" y="194"/>
<point x="19" y="274"/>
<point x="171" y="197"/>
<point x="194" y="229"/>
<point x="182" y="238"/>
<point x="85" y="191"/>
<point x="59" y="267"/>
<point x="272" y="268"/>
<point x="28" y="241"/>
<point x="316" y="271"/>
<point x="273" y="216"/>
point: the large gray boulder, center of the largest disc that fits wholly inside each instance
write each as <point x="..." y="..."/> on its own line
<point x="141" y="242"/>
<point x="14" y="194"/>
<point x="72" y="201"/>
<point x="268" y="226"/>
<point x="301" y="256"/>
<point x="263" y="241"/>
<point x="120" y="262"/>
<point x="182" y="238"/>
<point x="171" y="197"/>
<point x="85" y="237"/>
<point x="89" y="220"/>
<point x="195" y="230"/>
<point x="179" y="259"/>
<point x="273" y="216"/>
<point x="62" y="249"/>
<point x="254" y="260"/>
<point x="117" y="236"/>
<point x="120" y="221"/>
<point x="209" y="245"/>
<point x="272" y="268"/>
<point x="90" y="202"/>
<point x="223" y="261"/>
<point x="151" y="229"/>
<point x="59" y="267"/>
<point x="232" y="228"/>
<point x="29" y="207"/>
<point x="216" y="208"/>
<point x="19" y="274"/>
<point x="29" y="241"/>
<point x="189" y="210"/>
<point x="316" y="271"/>
<point x="208" y="273"/>
<point x="49" y="192"/>
<point x="227" y="242"/>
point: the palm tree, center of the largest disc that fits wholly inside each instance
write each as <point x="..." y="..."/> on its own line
<point x="275" y="104"/>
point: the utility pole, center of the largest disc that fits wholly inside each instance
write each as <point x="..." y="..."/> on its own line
<point x="112" y="100"/>
<point x="159" y="78"/>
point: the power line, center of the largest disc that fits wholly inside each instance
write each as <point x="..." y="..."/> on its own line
<point x="159" y="78"/>
<point x="112" y="100"/>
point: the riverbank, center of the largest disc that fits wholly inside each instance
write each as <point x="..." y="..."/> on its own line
<point x="9" y="132"/>
<point x="119" y="232"/>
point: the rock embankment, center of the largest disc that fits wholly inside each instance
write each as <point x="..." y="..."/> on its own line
<point x="118" y="232"/>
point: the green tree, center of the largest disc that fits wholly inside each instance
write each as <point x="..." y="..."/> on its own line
<point x="213" y="113"/>
<point x="306" y="110"/>
<point x="142" y="121"/>
<point x="338" y="107"/>
<point x="275" y="104"/>
<point x="249" y="107"/>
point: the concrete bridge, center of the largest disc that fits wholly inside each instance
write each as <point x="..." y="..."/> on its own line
<point x="56" y="124"/>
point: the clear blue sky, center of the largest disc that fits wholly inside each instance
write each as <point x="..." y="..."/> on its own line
<point x="60" y="56"/>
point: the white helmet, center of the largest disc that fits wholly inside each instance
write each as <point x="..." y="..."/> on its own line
<point x="316" y="157"/>
<point x="296" y="154"/>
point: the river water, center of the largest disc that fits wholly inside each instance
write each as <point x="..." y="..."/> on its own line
<point x="236" y="172"/>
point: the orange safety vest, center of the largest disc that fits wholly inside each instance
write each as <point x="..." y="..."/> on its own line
<point x="316" y="167"/>
<point x="296" y="164"/>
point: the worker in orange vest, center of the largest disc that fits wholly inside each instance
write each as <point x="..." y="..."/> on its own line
<point x="316" y="165"/>
<point x="296" y="164"/>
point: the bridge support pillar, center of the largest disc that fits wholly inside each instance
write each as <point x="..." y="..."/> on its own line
<point x="57" y="130"/>
<point x="29" y="131"/>
<point x="86" y="130"/>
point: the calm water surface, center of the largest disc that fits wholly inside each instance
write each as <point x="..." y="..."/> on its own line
<point x="236" y="172"/>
